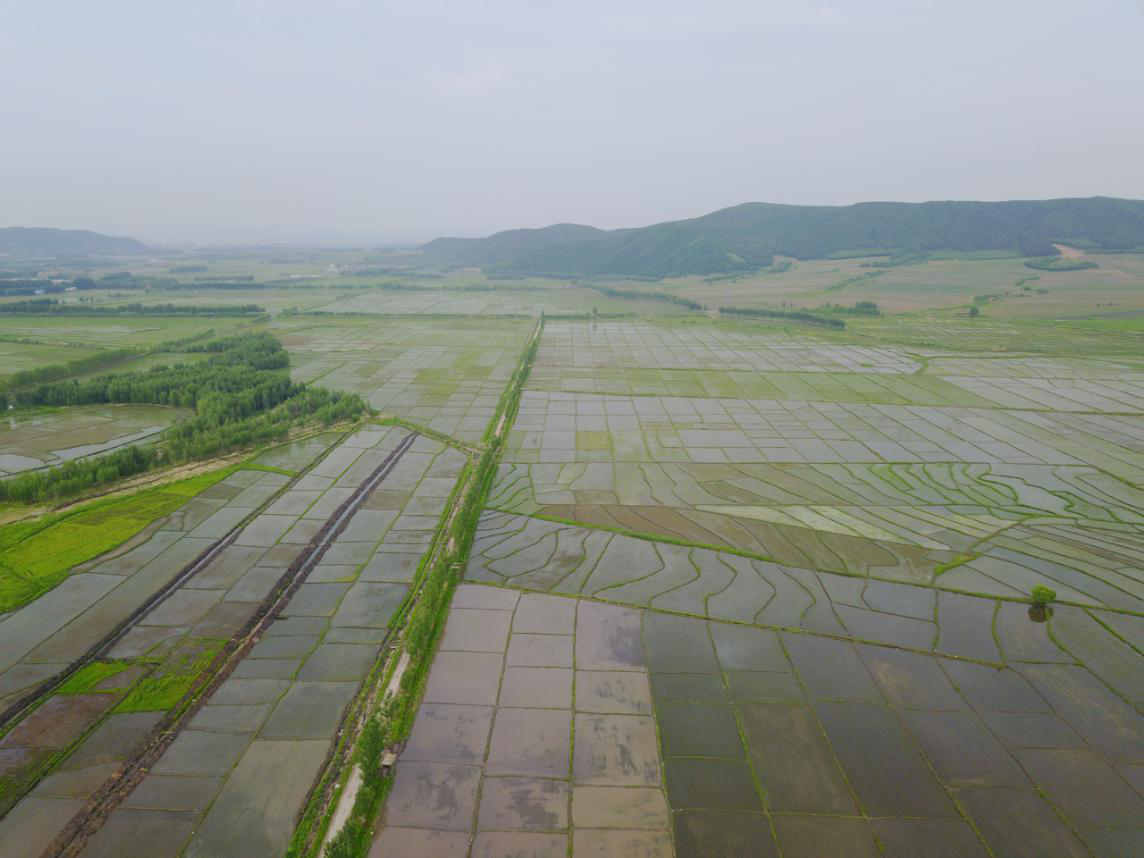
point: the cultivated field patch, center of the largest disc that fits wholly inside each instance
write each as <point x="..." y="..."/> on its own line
<point x="894" y="389"/>
<point x="556" y="724"/>
<point x="264" y="735"/>
<point x="119" y="331"/>
<point x="18" y="356"/>
<point x="536" y="733"/>
<point x="554" y="298"/>
<point x="577" y="427"/>
<point x="701" y="344"/>
<point x="38" y="439"/>
<point x="950" y="335"/>
<point x="446" y="374"/>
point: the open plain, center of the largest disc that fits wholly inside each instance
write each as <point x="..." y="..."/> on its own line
<point x="607" y="573"/>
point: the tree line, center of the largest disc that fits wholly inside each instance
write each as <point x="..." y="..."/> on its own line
<point x="638" y="295"/>
<point x="241" y="394"/>
<point x="793" y="315"/>
<point x="52" y="372"/>
<point x="54" y="307"/>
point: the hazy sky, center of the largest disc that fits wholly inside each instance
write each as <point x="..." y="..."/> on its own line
<point x="230" y="122"/>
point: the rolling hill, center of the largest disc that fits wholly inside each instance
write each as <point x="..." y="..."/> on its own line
<point x="511" y="244"/>
<point x="748" y="236"/>
<point x="45" y="241"/>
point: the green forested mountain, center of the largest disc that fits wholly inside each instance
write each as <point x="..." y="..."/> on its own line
<point x="750" y="235"/>
<point x="44" y="241"/>
<point x="510" y="244"/>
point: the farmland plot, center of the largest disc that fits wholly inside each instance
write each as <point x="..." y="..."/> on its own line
<point x="18" y="356"/>
<point x="830" y="581"/>
<point x="536" y="734"/>
<point x="947" y="335"/>
<point x="736" y="589"/>
<point x="46" y="635"/>
<point x="552" y="299"/>
<point x="554" y="724"/>
<point x="444" y="374"/>
<point x="827" y="477"/>
<point x="120" y="331"/>
<point x="259" y="742"/>
<point x="360" y="580"/>
<point x="705" y="346"/>
<point x="49" y="437"/>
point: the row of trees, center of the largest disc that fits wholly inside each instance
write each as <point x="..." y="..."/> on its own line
<point x="793" y="315"/>
<point x="1057" y="263"/>
<point x="73" y="477"/>
<point x="52" y="372"/>
<point x="638" y="295"/>
<point x="51" y="306"/>
<point x="860" y="308"/>
<point x="241" y="394"/>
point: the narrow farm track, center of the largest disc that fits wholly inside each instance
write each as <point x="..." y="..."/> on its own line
<point x="325" y="793"/>
<point x="73" y="839"/>
<point x="335" y="799"/>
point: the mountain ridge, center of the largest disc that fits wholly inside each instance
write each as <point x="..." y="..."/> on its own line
<point x="748" y="236"/>
<point x="483" y="251"/>
<point x="33" y="241"/>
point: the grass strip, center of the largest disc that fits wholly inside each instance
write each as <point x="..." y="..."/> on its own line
<point x="90" y="675"/>
<point x="169" y="683"/>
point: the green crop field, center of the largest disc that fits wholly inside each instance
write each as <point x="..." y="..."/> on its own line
<point x="37" y="555"/>
<point x="114" y="332"/>
<point x="17" y="356"/>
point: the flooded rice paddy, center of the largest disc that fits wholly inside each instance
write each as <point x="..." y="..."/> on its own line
<point x="52" y="436"/>
<point x="736" y="590"/>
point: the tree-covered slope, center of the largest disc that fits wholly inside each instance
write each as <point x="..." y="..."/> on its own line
<point x="511" y="244"/>
<point x="750" y="235"/>
<point x="44" y="241"/>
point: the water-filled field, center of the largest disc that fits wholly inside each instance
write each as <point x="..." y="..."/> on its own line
<point x="499" y="300"/>
<point x="39" y="439"/>
<point x="444" y="374"/>
<point x="258" y="739"/>
<point x="819" y="552"/>
<point x="737" y="588"/>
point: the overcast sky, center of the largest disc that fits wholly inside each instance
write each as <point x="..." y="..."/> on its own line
<point x="279" y="121"/>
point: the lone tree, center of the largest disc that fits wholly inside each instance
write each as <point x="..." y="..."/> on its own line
<point x="974" y="312"/>
<point x="1040" y="610"/>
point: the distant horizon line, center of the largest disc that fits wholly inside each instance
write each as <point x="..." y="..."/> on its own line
<point x="384" y="244"/>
